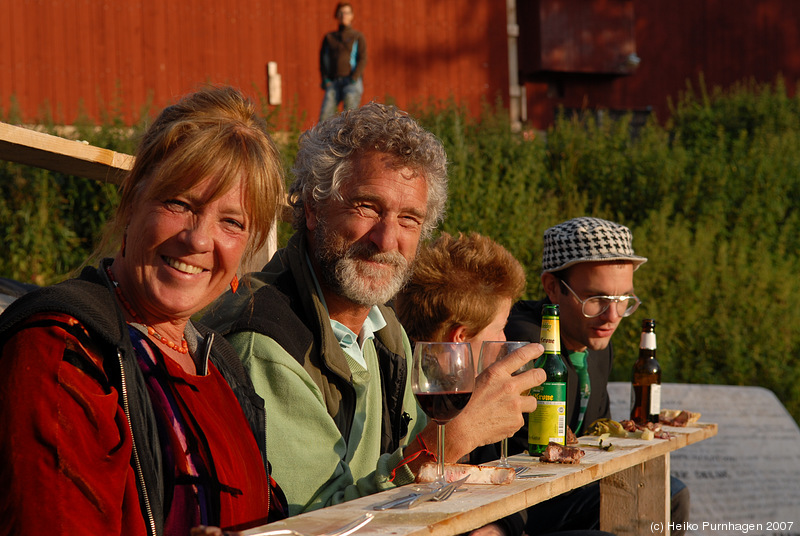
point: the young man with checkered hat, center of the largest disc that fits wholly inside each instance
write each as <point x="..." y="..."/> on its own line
<point x="587" y="270"/>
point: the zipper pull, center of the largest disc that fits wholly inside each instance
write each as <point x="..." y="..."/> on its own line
<point x="206" y="354"/>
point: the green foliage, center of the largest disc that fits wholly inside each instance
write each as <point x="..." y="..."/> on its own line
<point x="284" y="123"/>
<point x="52" y="221"/>
<point x="495" y="180"/>
<point x="711" y="197"/>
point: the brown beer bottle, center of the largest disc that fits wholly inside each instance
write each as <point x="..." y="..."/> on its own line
<point x="646" y="385"/>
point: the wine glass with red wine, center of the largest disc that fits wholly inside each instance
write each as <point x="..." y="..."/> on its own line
<point x="492" y="352"/>
<point x="442" y="379"/>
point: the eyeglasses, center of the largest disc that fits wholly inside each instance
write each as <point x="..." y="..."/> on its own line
<point x="597" y="305"/>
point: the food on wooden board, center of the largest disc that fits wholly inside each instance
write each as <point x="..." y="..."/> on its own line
<point x="478" y="474"/>
<point x="555" y="453"/>
<point x="647" y="430"/>
<point x="571" y="439"/>
<point x="627" y="428"/>
<point x="678" y="417"/>
<point x="607" y="426"/>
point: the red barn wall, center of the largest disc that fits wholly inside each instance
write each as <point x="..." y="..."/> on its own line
<point x="116" y="54"/>
<point x="678" y="41"/>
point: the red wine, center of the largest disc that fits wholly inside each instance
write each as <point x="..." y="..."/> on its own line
<point x="441" y="407"/>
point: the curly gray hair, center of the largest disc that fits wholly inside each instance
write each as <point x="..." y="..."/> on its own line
<point x="327" y="152"/>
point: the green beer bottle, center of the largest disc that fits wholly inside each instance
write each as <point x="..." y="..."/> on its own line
<point x="549" y="421"/>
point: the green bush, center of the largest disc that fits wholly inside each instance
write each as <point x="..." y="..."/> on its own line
<point x="52" y="221"/>
<point x="711" y="197"/>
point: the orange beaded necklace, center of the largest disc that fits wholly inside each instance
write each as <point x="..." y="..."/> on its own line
<point x="182" y="349"/>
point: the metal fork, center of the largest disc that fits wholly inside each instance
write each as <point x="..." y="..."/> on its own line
<point x="520" y="470"/>
<point x="418" y="497"/>
<point x="440" y="494"/>
<point x="344" y="530"/>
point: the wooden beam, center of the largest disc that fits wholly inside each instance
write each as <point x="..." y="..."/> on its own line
<point x="33" y="148"/>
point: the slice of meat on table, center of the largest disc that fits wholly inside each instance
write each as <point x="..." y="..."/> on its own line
<point x="571" y="438"/>
<point x="555" y="453"/>
<point x="478" y="474"/>
<point x="654" y="427"/>
<point x="674" y="417"/>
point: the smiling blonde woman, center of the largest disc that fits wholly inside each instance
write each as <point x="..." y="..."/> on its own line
<point x="123" y="408"/>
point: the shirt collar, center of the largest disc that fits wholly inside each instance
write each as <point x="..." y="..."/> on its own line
<point x="374" y="323"/>
<point x="349" y="341"/>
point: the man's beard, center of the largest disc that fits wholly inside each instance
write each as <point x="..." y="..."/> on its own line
<point x="346" y="271"/>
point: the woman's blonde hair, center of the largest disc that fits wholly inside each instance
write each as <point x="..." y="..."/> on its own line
<point x="213" y="133"/>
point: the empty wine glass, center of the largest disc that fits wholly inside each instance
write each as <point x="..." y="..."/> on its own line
<point x="491" y="352"/>
<point x="442" y="379"/>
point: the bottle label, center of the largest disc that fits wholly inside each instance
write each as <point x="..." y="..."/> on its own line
<point x="655" y="399"/>
<point x="549" y="335"/>
<point x="648" y="341"/>
<point x="549" y="421"/>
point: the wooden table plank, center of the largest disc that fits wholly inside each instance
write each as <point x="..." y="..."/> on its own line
<point x="474" y="506"/>
<point x="26" y="146"/>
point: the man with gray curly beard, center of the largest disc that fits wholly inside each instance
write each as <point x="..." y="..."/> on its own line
<point x="329" y="358"/>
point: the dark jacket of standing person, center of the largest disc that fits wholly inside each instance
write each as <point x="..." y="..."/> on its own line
<point x="343" y="54"/>
<point x="342" y="58"/>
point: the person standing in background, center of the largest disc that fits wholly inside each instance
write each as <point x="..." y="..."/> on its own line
<point x="341" y="64"/>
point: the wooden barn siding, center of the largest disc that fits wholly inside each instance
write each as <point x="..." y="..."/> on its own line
<point x="118" y="54"/>
<point x="678" y="40"/>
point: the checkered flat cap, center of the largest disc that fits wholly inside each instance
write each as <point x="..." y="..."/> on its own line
<point x="587" y="240"/>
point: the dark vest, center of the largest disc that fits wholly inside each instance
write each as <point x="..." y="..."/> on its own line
<point x="90" y="300"/>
